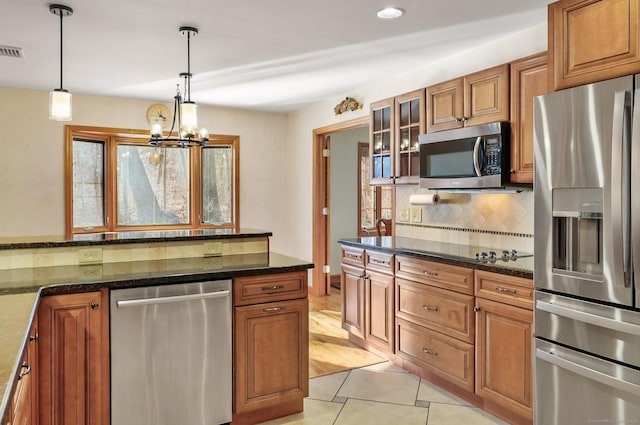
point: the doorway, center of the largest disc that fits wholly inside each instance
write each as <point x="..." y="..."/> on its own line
<point x="321" y="202"/>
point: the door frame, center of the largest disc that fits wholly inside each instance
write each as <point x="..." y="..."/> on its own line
<point x="321" y="191"/>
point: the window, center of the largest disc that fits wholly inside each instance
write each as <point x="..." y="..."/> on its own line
<point x="374" y="202"/>
<point x="116" y="181"/>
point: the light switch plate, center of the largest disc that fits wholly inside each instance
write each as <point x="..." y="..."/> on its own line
<point x="404" y="215"/>
<point x="90" y="256"/>
<point x="416" y="215"/>
<point x="212" y="249"/>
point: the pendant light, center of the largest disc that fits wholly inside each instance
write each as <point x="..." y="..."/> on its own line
<point x="60" y="99"/>
<point x="184" y="110"/>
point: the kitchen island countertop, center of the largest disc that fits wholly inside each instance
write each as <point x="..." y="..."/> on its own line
<point x="21" y="289"/>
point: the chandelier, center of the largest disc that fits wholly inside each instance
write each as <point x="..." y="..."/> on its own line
<point x="184" y="112"/>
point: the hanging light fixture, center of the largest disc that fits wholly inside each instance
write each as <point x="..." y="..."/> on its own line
<point x="60" y="99"/>
<point x="185" y="111"/>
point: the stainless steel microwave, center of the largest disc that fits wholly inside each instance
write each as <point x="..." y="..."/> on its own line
<point x="475" y="157"/>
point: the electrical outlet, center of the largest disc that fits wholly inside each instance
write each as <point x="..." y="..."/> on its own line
<point x="416" y="215"/>
<point x="404" y="214"/>
<point x="212" y="249"/>
<point x="90" y="256"/>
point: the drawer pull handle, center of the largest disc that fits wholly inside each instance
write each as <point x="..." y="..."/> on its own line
<point x="375" y="260"/>
<point x="506" y="290"/>
<point x="26" y="372"/>
<point x="353" y="256"/>
<point x="433" y="274"/>
<point x="430" y="307"/>
<point x="272" y="288"/>
<point x="429" y="352"/>
<point x="272" y="309"/>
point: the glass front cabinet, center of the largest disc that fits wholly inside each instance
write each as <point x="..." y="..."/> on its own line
<point x="395" y="126"/>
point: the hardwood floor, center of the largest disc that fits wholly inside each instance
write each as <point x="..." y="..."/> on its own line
<point x="329" y="348"/>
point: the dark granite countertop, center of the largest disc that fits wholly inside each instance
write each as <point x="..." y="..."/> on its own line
<point x="462" y="255"/>
<point x="20" y="290"/>
<point x="115" y="238"/>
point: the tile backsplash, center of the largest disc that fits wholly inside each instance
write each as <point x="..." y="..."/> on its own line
<point x="489" y="220"/>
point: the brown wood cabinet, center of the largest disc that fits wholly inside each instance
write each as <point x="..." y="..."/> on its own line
<point x="73" y="359"/>
<point x="504" y="345"/>
<point x="477" y="98"/>
<point x="271" y="347"/>
<point x="24" y="400"/>
<point x="368" y="298"/>
<point x="395" y="126"/>
<point x="434" y="325"/>
<point x="529" y="78"/>
<point x="593" y="40"/>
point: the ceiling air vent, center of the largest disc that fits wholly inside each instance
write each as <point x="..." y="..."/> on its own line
<point x="12" y="52"/>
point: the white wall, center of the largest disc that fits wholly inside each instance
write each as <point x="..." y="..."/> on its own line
<point x="343" y="214"/>
<point x="32" y="170"/>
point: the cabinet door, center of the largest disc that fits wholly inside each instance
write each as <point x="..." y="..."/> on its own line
<point x="381" y="143"/>
<point x="353" y="293"/>
<point x="74" y="359"/>
<point x="445" y="105"/>
<point x="486" y="96"/>
<point x="529" y="78"/>
<point x="593" y="40"/>
<point x="504" y="356"/>
<point x="410" y="123"/>
<point x="271" y="354"/>
<point x="379" y="310"/>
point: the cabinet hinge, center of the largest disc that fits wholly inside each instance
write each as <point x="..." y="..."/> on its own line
<point x="326" y="269"/>
<point x="325" y="211"/>
<point x="325" y="153"/>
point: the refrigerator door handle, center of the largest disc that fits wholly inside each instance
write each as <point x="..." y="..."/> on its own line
<point x="595" y="375"/>
<point x="635" y="195"/>
<point x="619" y="189"/>
<point x="591" y="318"/>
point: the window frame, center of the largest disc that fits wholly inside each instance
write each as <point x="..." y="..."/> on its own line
<point x="112" y="137"/>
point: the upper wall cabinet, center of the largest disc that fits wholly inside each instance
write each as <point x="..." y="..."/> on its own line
<point x="478" y="98"/>
<point x="593" y="40"/>
<point x="395" y="126"/>
<point x="529" y="78"/>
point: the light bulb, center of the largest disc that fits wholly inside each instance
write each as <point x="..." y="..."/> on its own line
<point x="156" y="130"/>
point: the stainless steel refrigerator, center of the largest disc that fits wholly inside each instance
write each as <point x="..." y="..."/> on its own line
<point x="587" y="242"/>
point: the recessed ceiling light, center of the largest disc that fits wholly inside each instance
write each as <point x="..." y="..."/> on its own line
<point x="390" y="13"/>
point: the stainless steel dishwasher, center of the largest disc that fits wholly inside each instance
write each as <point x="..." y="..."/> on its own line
<point x="171" y="354"/>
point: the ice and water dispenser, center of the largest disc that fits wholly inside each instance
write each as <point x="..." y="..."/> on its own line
<point x="577" y="232"/>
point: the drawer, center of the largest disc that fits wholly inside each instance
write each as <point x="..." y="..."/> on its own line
<point x="445" y="311"/>
<point x="379" y="261"/>
<point x="437" y="274"/>
<point x="270" y="287"/>
<point x="353" y="256"/>
<point x="442" y="355"/>
<point x="517" y="291"/>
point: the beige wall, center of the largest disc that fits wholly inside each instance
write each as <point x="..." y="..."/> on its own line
<point x="276" y="155"/>
<point x="32" y="148"/>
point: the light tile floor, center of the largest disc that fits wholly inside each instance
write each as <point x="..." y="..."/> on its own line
<point x="383" y="394"/>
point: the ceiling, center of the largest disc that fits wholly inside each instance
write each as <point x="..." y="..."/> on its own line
<point x="272" y="55"/>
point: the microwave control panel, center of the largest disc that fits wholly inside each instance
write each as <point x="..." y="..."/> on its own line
<point x="493" y="157"/>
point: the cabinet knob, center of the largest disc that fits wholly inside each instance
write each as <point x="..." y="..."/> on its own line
<point x="34" y="338"/>
<point x="465" y="119"/>
<point x="476" y="309"/>
<point x="26" y="372"/>
<point x="95" y="305"/>
<point x="512" y="170"/>
<point x="458" y="119"/>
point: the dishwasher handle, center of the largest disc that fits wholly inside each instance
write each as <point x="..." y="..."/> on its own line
<point x="171" y="299"/>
